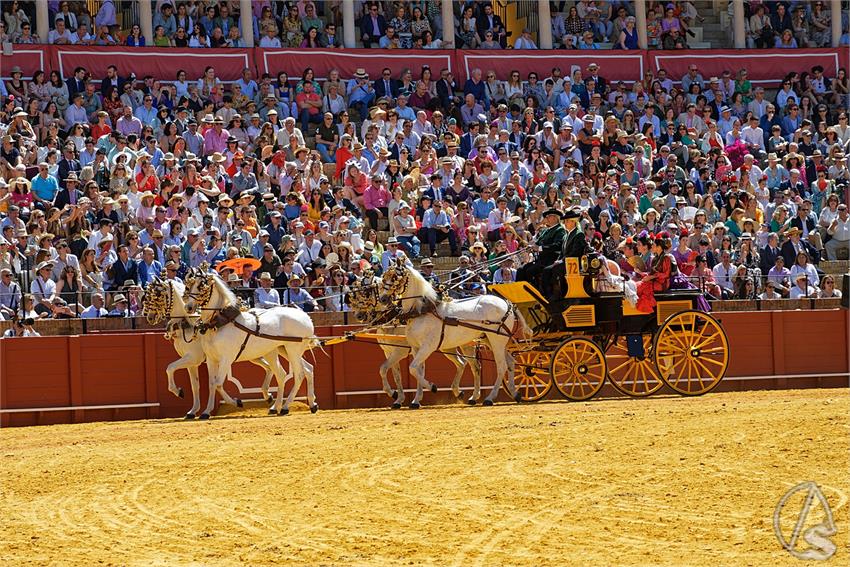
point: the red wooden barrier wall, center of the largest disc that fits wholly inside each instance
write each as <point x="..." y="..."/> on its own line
<point x="769" y="349"/>
<point x="766" y="66"/>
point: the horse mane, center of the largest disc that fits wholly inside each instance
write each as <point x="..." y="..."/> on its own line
<point x="176" y="289"/>
<point x="423" y="296"/>
<point x="221" y="286"/>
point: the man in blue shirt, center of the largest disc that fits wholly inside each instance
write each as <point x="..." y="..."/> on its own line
<point x="248" y="85"/>
<point x="44" y="187"/>
<point x="436" y="227"/>
<point x="360" y="92"/>
<point x="482" y="206"/>
<point x="147" y="113"/>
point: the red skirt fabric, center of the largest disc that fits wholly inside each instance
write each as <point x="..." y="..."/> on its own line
<point x="646" y="297"/>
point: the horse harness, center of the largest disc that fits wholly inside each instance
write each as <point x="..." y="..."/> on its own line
<point x="230" y="314"/>
<point x="431" y="309"/>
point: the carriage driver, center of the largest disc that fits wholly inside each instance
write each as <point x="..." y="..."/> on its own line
<point x="550" y="240"/>
<point x="574" y="246"/>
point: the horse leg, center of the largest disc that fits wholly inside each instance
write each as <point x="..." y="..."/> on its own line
<point x="297" y="370"/>
<point x="215" y="370"/>
<point x="417" y="367"/>
<point x="457" y="359"/>
<point x="172" y="386"/>
<point x="311" y="392"/>
<point x="196" y="395"/>
<point x="468" y="355"/>
<point x="399" y="387"/>
<point x="511" y="368"/>
<point x="498" y="344"/>
<point x="280" y="377"/>
<point x="267" y="379"/>
<point x="225" y="397"/>
<point x="190" y="362"/>
<point x="384" y="368"/>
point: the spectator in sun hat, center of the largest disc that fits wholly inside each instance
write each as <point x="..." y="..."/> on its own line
<point x="297" y="296"/>
<point x="265" y="296"/>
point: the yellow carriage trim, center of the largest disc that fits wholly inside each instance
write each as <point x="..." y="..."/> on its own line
<point x="665" y="309"/>
<point x="580" y="316"/>
<point x="575" y="279"/>
<point x="630" y="310"/>
<point x="518" y="293"/>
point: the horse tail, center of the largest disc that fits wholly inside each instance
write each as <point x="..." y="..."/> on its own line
<point x="315" y="342"/>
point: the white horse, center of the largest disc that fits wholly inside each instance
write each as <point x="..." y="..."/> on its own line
<point x="235" y="335"/>
<point x="163" y="300"/>
<point x="437" y="325"/>
<point x="364" y="300"/>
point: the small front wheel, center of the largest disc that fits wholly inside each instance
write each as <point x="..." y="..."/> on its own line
<point x="532" y="378"/>
<point x="578" y="369"/>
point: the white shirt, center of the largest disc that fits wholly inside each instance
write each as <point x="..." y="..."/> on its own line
<point x="42" y="289"/>
<point x="306" y="254"/>
<point x="797" y="293"/>
<point x="723" y="275"/>
<point x="266" y="298"/>
<point x="753" y="136"/>
<point x="92" y="312"/>
<point x="842" y="230"/>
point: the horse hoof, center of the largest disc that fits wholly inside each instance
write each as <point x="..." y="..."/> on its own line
<point x="205" y="416"/>
<point x="180" y="393"/>
<point x="472" y="402"/>
<point x="239" y="403"/>
<point x="284" y="411"/>
<point x="396" y="405"/>
<point x="517" y="397"/>
<point x="271" y="399"/>
<point x="395" y="395"/>
<point x="433" y="388"/>
<point x="189" y="416"/>
<point x="272" y="411"/>
<point x="488" y="403"/>
<point x="314" y="408"/>
<point x="414" y="405"/>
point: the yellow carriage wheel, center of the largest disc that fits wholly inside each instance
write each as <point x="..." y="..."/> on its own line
<point x="578" y="369"/>
<point x="691" y="352"/>
<point x="531" y="377"/>
<point x="633" y="376"/>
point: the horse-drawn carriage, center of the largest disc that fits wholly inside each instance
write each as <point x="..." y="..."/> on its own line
<point x="589" y="335"/>
<point x="591" y="332"/>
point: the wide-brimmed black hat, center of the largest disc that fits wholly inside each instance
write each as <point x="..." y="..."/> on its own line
<point x="552" y="211"/>
<point x="570" y="214"/>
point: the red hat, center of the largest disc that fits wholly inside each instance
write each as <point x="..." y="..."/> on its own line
<point x="683" y="232"/>
<point x="304" y="208"/>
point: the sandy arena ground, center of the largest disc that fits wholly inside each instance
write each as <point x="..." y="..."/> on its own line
<point x="664" y="481"/>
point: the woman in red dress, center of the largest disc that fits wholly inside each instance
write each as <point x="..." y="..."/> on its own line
<point x="661" y="269"/>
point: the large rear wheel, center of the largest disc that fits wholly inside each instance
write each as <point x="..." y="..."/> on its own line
<point x="634" y="376"/>
<point x="691" y="352"/>
<point x="578" y="369"/>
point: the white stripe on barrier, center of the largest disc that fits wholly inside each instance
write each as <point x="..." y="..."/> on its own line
<point x="74" y="408"/>
<point x="744" y="378"/>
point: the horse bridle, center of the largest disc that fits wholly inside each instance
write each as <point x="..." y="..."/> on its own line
<point x="396" y="286"/>
<point x="155" y="304"/>
<point x="205" y="288"/>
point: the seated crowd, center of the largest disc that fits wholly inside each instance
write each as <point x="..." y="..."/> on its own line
<point x="583" y="24"/>
<point x="107" y="181"/>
